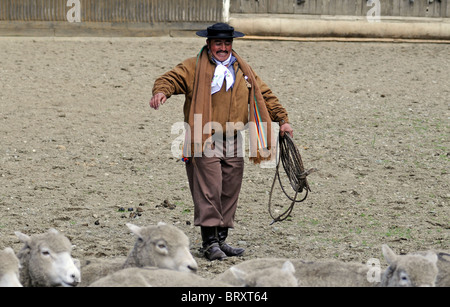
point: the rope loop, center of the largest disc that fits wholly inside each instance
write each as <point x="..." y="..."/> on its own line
<point x="291" y="159"/>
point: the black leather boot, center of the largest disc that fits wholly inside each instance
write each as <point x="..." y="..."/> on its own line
<point x="211" y="248"/>
<point x="222" y="233"/>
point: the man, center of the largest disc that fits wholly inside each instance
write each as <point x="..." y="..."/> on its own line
<point x="223" y="95"/>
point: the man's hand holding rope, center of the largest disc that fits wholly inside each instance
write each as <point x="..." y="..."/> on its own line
<point x="286" y="127"/>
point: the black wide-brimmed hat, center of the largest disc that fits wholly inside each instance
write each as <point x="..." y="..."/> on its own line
<point x="220" y="30"/>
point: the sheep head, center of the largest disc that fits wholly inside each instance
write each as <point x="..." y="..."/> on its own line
<point x="46" y="260"/>
<point x="163" y="246"/>
<point x="412" y="270"/>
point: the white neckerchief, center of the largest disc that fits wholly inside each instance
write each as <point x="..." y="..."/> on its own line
<point x="222" y="73"/>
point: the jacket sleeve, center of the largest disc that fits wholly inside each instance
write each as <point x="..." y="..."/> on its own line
<point x="179" y="80"/>
<point x="276" y="111"/>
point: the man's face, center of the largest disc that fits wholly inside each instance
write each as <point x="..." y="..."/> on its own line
<point x="220" y="48"/>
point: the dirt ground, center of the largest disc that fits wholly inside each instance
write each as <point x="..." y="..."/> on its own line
<point x="79" y="142"/>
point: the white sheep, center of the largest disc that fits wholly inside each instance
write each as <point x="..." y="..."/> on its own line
<point x="9" y="269"/>
<point x="46" y="260"/>
<point x="154" y="277"/>
<point x="163" y="246"/>
<point x="325" y="273"/>
<point x="412" y="270"/>
<point x="404" y="270"/>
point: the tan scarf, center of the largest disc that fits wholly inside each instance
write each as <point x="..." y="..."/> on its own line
<point x="259" y="118"/>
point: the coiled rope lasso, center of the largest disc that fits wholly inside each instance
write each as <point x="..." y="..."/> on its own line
<point x="295" y="171"/>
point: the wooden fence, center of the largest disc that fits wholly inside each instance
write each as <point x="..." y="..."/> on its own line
<point x="157" y="11"/>
<point x="117" y="11"/>
<point x="402" y="8"/>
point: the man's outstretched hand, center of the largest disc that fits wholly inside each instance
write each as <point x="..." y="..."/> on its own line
<point x="157" y="100"/>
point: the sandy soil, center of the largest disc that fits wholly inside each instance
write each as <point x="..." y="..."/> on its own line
<point x="79" y="142"/>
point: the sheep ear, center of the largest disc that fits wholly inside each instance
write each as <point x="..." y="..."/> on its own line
<point x="388" y="254"/>
<point x="23" y="237"/>
<point x="288" y="267"/>
<point x="9" y="250"/>
<point x="238" y="274"/>
<point x="432" y="257"/>
<point x="134" y="229"/>
<point x="53" y="231"/>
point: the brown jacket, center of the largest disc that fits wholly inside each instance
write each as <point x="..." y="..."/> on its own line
<point x="227" y="106"/>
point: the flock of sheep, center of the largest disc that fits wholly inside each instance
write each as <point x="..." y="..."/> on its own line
<point x="161" y="258"/>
